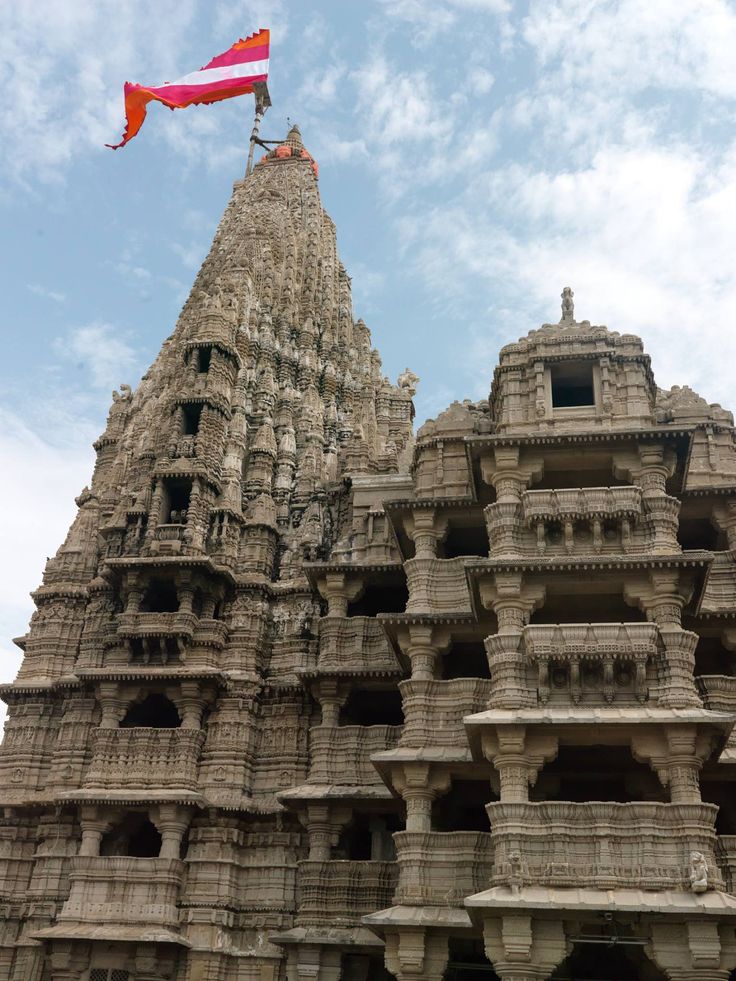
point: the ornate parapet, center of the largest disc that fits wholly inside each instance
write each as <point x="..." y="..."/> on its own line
<point x="434" y="710"/>
<point x="341" y="892"/>
<point x="441" y="868"/>
<point x="145" y="759"/>
<point x="342" y="754"/>
<point x="354" y="645"/>
<point x="437" y="586"/>
<point x="601" y="844"/>
<point x="590" y="661"/>
<point x="129" y="898"/>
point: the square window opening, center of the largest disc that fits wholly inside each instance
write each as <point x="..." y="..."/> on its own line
<point x="572" y="384"/>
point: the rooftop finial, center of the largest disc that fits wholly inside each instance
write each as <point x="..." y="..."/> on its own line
<point x="568" y="306"/>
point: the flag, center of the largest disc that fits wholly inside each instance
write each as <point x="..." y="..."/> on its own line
<point x="229" y="74"/>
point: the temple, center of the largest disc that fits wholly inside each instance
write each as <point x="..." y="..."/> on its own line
<point x="306" y="696"/>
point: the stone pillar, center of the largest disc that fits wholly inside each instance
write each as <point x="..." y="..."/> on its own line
<point x="513" y="601"/>
<point x="190" y="702"/>
<point x="331" y="696"/>
<point x="426" y="529"/>
<point x="108" y="695"/>
<point x="518" y="754"/>
<point x="699" y="950"/>
<point x="416" y="953"/>
<point x="522" y="948"/>
<point x="419" y="784"/>
<point x="423" y="645"/>
<point x="661" y="510"/>
<point x="338" y="592"/>
<point x="171" y="821"/>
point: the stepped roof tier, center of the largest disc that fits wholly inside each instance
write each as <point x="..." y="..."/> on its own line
<point x="304" y="697"/>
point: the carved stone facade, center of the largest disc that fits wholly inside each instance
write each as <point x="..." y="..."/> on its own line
<point x="303" y="699"/>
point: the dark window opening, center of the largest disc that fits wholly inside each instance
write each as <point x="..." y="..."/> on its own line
<point x="156" y="711"/>
<point x="572" y="384"/>
<point x="178" y="494"/>
<point x="204" y="359"/>
<point x="720" y="792"/>
<point x="368" y="838"/>
<point x="160" y="597"/>
<point x="579" y="607"/>
<point x="597" y="773"/>
<point x="699" y="533"/>
<point x="135" y="837"/>
<point x="608" y="962"/>
<point x="380" y="599"/>
<point x="464" y="541"/>
<point x="463" y="808"/>
<point x="468" y="962"/>
<point x="372" y="707"/>
<point x="191" y="417"/>
<point x="711" y="657"/>
<point x="562" y="476"/>
<point x="154" y="650"/>
<point x="465" y="661"/>
<point x="362" y="967"/>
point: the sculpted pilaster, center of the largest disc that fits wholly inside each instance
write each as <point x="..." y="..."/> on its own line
<point x="698" y="950"/>
<point x="423" y="644"/>
<point x="419" y="784"/>
<point x="522" y="948"/>
<point x="518" y="753"/>
<point x="416" y="954"/>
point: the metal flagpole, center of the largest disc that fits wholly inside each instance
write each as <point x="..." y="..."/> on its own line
<point x="263" y="101"/>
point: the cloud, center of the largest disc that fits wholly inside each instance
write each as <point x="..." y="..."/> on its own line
<point x="428" y="18"/>
<point x="45" y="481"/>
<point x="40" y="290"/>
<point x="100" y="350"/>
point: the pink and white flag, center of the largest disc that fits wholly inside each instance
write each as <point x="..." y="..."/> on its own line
<point x="232" y="73"/>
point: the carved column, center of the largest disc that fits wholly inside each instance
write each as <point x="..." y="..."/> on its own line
<point x="661" y="510"/>
<point x="416" y="954"/>
<point x="512" y="600"/>
<point x="190" y="702"/>
<point x="699" y="950"/>
<point x="426" y="529"/>
<point x="522" y="948"/>
<point x="171" y="821"/>
<point x="339" y="591"/>
<point x="518" y="754"/>
<point x="419" y="784"/>
<point x="423" y="645"/>
<point x="108" y="695"/>
<point x="93" y="828"/>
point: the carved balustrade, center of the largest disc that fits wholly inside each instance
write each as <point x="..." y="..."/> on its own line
<point x="718" y="691"/>
<point x="341" y="892"/>
<point x="434" y="710"/>
<point x="591" y="659"/>
<point x="354" y="645"/>
<point x="157" y="638"/>
<point x="342" y="754"/>
<point x="122" y="891"/>
<point x="439" y="868"/>
<point x="601" y="844"/>
<point x="157" y="759"/>
<point x="437" y="586"/>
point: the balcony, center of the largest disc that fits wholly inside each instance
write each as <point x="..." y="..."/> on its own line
<point x="354" y="645"/>
<point x="589" y="660"/>
<point x="150" y="759"/>
<point x="339" y="893"/>
<point x="434" y="710"/>
<point x="157" y="638"/>
<point x="718" y="691"/>
<point x="437" y="586"/>
<point x="581" y="504"/>
<point x="441" y="868"/>
<point x="120" y="893"/>
<point x="601" y="845"/>
<point x="342" y="754"/>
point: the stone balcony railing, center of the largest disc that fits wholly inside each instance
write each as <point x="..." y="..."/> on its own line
<point x="161" y="637"/>
<point x="582" y="504"/>
<point x="354" y="645"/>
<point x="441" y="868"/>
<point x="339" y="893"/>
<point x="601" y="845"/>
<point x="135" y="625"/>
<point x="718" y="691"/>
<point x="123" y="892"/>
<point x="342" y="754"/>
<point x="606" y="658"/>
<point x="437" y="586"/>
<point x="152" y="759"/>
<point x="434" y="710"/>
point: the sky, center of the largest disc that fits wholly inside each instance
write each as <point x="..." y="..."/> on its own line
<point x="476" y="156"/>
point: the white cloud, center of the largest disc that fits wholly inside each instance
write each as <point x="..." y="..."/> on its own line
<point x="45" y="481"/>
<point x="429" y="17"/>
<point x="101" y="351"/>
<point x="48" y="294"/>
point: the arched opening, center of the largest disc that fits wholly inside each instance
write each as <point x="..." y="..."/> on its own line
<point x="160" y="597"/>
<point x="191" y="415"/>
<point x="156" y="711"/>
<point x="607" y="962"/>
<point x="203" y="360"/>
<point x="468" y="962"/>
<point x="135" y="837"/>
<point x="597" y="773"/>
<point x="178" y="492"/>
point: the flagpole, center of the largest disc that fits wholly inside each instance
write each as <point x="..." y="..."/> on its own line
<point x="263" y="101"/>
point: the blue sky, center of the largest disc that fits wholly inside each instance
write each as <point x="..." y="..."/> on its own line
<point x="476" y="155"/>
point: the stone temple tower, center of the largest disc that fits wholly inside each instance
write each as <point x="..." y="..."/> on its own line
<point x="303" y="699"/>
